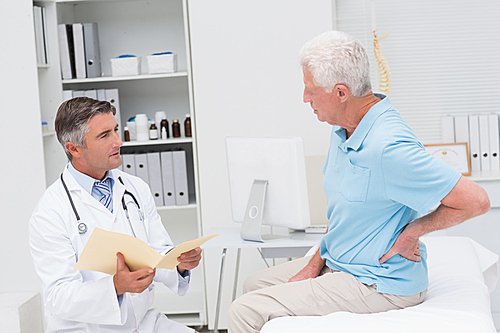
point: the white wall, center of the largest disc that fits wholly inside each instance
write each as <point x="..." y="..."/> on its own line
<point x="21" y="170"/>
<point x="248" y="82"/>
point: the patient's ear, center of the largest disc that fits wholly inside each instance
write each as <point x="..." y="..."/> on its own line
<point x="341" y="91"/>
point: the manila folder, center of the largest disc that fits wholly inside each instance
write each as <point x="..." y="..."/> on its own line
<point x="100" y="251"/>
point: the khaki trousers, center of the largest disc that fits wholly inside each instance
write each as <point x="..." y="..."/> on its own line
<point x="268" y="295"/>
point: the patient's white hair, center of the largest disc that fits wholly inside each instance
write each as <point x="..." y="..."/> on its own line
<point x="334" y="58"/>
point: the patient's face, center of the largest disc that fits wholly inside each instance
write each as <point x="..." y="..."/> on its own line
<point x="323" y="103"/>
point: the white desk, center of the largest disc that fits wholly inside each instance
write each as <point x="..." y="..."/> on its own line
<point x="229" y="238"/>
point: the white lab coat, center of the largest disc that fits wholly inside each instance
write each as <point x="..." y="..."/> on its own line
<point x="86" y="301"/>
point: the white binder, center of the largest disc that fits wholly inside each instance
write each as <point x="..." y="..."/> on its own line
<point x="141" y="167"/>
<point x="128" y="163"/>
<point x="475" y="159"/>
<point x="78" y="93"/>
<point x="64" y="54"/>
<point x="112" y="97"/>
<point x="101" y="94"/>
<point x="180" y="177"/>
<point x="92" y="51"/>
<point x="80" y="67"/>
<point x="484" y="142"/>
<point x="167" y="174"/>
<point x="494" y="141"/>
<point x="92" y="93"/>
<point x="67" y="94"/>
<point x="39" y="35"/>
<point x="155" y="183"/>
<point x="462" y="129"/>
<point x="447" y="129"/>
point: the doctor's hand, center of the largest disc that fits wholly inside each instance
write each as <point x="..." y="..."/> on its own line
<point x="189" y="260"/>
<point x="406" y="246"/>
<point x="132" y="282"/>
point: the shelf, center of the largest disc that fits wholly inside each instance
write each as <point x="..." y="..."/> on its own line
<point x="87" y="1"/>
<point x="188" y="319"/>
<point x="157" y="142"/>
<point x="176" y="207"/>
<point x="43" y="66"/>
<point x="125" y="78"/>
<point x="49" y="133"/>
<point x="479" y="176"/>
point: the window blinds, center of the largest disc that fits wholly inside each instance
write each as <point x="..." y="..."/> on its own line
<point x="444" y="56"/>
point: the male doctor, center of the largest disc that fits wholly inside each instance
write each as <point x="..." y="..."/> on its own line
<point x="89" y="194"/>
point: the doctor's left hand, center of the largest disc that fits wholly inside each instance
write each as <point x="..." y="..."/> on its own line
<point x="189" y="260"/>
<point x="131" y="282"/>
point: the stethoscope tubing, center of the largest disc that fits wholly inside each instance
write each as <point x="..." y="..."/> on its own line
<point x="82" y="227"/>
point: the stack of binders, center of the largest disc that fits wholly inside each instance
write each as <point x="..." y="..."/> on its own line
<point x="165" y="172"/>
<point x="79" y="50"/>
<point x="482" y="135"/>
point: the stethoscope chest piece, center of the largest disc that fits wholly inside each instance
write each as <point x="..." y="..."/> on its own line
<point x="82" y="228"/>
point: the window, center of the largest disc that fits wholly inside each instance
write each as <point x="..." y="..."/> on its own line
<point x="444" y="56"/>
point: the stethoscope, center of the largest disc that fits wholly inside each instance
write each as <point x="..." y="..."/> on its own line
<point x="82" y="227"/>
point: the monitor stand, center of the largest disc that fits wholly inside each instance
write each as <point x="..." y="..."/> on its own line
<point x="252" y="221"/>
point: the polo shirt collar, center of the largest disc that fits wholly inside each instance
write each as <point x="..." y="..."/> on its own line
<point x="364" y="125"/>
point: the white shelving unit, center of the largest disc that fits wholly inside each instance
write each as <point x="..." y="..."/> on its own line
<point x="137" y="27"/>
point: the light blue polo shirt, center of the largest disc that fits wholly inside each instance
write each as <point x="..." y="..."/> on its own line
<point x="376" y="183"/>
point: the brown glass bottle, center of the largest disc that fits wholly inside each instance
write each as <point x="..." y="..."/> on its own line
<point x="176" y="128"/>
<point x="164" y="131"/>
<point x="153" y="132"/>
<point x="126" y="134"/>
<point x="187" y="126"/>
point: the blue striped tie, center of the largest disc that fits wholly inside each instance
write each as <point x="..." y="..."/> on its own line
<point x="102" y="192"/>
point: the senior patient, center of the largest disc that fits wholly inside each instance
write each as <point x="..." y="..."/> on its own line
<point x="92" y="193"/>
<point x="377" y="179"/>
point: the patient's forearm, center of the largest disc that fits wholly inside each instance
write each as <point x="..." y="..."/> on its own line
<point x="312" y="269"/>
<point x="465" y="201"/>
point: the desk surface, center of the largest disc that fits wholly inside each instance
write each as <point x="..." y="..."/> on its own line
<point x="230" y="238"/>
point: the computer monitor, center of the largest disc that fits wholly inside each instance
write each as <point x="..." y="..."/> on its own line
<point x="268" y="185"/>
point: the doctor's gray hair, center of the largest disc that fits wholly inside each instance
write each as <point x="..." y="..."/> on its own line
<point x="334" y="58"/>
<point x="72" y="120"/>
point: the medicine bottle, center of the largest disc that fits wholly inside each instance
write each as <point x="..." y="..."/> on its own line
<point x="126" y="134"/>
<point x="176" y="129"/>
<point x="165" y="133"/>
<point x="153" y="132"/>
<point x="141" y="127"/>
<point x="187" y="126"/>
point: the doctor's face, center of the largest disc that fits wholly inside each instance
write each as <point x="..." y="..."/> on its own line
<point x="103" y="147"/>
